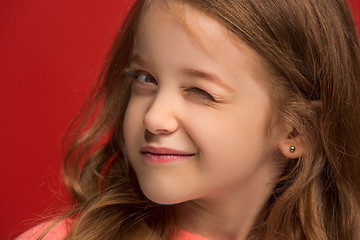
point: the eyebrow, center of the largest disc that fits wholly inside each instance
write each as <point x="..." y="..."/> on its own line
<point x="136" y="58"/>
<point x="195" y="73"/>
<point x="207" y="76"/>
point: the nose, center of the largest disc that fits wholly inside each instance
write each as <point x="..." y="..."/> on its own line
<point x="161" y="116"/>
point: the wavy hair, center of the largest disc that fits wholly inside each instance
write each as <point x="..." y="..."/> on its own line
<point x="312" y="47"/>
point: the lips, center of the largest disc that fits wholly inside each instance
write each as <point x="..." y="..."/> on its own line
<point x="163" y="155"/>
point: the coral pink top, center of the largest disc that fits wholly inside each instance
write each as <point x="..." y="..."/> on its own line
<point x="60" y="231"/>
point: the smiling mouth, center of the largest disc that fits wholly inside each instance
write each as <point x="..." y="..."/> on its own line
<point x="163" y="155"/>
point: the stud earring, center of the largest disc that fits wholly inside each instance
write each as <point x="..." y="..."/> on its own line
<point x="292" y="149"/>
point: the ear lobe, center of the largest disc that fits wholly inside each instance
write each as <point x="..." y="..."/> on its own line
<point x="291" y="146"/>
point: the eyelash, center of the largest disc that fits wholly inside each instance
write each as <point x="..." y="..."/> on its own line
<point x="135" y="75"/>
<point x="203" y="93"/>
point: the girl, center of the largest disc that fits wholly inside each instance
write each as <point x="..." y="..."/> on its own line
<point x="221" y="120"/>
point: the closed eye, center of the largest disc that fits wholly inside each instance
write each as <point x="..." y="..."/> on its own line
<point x="201" y="93"/>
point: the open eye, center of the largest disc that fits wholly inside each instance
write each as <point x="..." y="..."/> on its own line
<point x="144" y="77"/>
<point x="200" y="93"/>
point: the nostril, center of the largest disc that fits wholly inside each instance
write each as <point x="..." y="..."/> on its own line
<point x="162" y="131"/>
<point x="148" y="135"/>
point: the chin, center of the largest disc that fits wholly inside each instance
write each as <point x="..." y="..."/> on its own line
<point x="163" y="197"/>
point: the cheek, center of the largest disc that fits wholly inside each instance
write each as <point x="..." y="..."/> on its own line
<point x="229" y="140"/>
<point x="133" y="122"/>
<point x="127" y="126"/>
<point x="226" y="129"/>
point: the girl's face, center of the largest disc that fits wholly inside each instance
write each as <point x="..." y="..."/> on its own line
<point x="197" y="123"/>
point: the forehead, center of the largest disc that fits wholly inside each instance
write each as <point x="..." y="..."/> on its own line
<point x="202" y="28"/>
<point x="196" y="23"/>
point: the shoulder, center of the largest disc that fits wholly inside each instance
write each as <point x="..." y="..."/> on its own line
<point x="58" y="232"/>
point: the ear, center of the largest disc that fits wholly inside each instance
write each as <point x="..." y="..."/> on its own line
<point x="291" y="145"/>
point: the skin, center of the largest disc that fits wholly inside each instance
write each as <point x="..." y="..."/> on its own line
<point x="178" y="60"/>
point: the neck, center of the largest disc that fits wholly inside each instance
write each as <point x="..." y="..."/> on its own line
<point x="225" y="215"/>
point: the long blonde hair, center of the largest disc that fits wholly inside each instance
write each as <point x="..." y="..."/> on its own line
<point x="313" y="49"/>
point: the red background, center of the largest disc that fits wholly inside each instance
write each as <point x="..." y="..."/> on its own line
<point x="51" y="52"/>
